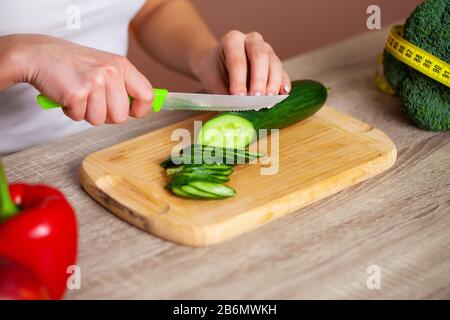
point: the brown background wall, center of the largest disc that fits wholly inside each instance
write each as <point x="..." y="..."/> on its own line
<point x="290" y="26"/>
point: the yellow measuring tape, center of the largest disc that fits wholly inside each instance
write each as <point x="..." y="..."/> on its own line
<point x="380" y="80"/>
<point x="417" y="58"/>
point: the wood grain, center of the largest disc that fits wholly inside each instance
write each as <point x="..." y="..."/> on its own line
<point x="316" y="158"/>
<point x="398" y="220"/>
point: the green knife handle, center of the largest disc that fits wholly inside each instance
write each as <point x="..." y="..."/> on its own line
<point x="159" y="95"/>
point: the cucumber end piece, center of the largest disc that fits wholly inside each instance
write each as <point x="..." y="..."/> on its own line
<point x="229" y="131"/>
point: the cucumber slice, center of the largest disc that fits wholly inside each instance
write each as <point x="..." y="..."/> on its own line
<point x="184" y="179"/>
<point x="189" y="177"/>
<point x="229" y="131"/>
<point x="194" y="192"/>
<point x="200" y="170"/>
<point x="227" y="153"/>
<point x="218" y="178"/>
<point x="210" y="157"/>
<point x="216" y="156"/>
<point x="181" y="193"/>
<point x="220" y="190"/>
<point x="213" y="151"/>
<point x="213" y="166"/>
<point x="236" y="151"/>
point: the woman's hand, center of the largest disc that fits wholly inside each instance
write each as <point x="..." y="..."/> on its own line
<point x="241" y="64"/>
<point x="238" y="64"/>
<point x="93" y="85"/>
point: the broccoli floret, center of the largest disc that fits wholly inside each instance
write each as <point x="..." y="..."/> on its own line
<point x="395" y="71"/>
<point x="429" y="108"/>
<point x="426" y="101"/>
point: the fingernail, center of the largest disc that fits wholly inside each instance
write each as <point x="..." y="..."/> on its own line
<point x="287" y="88"/>
<point x="270" y="93"/>
<point x="258" y="93"/>
<point x="242" y="94"/>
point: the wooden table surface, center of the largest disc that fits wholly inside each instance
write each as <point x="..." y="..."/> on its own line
<point x="399" y="220"/>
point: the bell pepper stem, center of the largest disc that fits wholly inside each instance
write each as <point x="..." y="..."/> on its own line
<point x="7" y="206"/>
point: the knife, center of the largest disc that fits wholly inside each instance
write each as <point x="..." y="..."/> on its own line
<point x="165" y="100"/>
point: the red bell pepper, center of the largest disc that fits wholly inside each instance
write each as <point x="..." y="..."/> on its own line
<point x="38" y="230"/>
<point x="17" y="282"/>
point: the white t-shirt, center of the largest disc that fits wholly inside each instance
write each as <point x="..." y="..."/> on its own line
<point x="100" y="24"/>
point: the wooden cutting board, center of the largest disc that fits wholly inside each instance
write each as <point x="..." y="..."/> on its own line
<point x="317" y="158"/>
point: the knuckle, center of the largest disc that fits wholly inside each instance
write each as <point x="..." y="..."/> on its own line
<point x="109" y="70"/>
<point x="254" y="35"/>
<point x="233" y="34"/>
<point x="97" y="79"/>
<point x="78" y="94"/>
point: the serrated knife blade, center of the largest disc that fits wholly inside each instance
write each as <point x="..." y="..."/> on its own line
<point x="217" y="102"/>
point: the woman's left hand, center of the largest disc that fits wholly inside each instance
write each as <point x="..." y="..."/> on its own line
<point x="241" y="64"/>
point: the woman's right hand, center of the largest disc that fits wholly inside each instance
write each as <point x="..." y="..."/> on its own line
<point x="93" y="85"/>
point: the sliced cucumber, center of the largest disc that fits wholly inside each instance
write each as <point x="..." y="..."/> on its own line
<point x="216" y="166"/>
<point x="211" y="156"/>
<point x="194" y="192"/>
<point x="219" y="190"/>
<point x="215" y="149"/>
<point x="185" y="178"/>
<point x="226" y="131"/>
<point x="181" y="193"/>
<point x="201" y="170"/>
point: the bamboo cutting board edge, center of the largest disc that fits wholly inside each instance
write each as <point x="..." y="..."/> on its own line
<point x="156" y="216"/>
